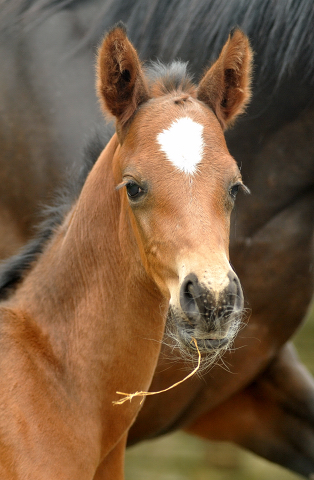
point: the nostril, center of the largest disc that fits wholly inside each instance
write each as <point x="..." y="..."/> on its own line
<point x="234" y="291"/>
<point x="188" y="296"/>
<point x="189" y="290"/>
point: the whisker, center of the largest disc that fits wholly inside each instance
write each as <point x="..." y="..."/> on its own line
<point x="232" y="322"/>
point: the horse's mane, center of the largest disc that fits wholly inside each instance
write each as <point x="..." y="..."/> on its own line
<point x="169" y="77"/>
<point x="281" y="33"/>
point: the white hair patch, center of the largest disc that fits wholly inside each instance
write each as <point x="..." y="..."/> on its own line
<point x="183" y="144"/>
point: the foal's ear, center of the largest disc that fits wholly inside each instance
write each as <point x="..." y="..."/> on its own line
<point x="120" y="82"/>
<point x="226" y="86"/>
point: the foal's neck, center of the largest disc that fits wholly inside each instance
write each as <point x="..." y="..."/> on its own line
<point x="91" y="297"/>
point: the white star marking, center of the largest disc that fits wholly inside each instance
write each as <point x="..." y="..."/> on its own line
<point x="183" y="144"/>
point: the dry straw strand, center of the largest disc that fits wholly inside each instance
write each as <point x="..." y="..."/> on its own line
<point x="129" y="396"/>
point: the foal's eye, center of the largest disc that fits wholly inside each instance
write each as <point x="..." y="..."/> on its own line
<point x="234" y="190"/>
<point x="133" y="190"/>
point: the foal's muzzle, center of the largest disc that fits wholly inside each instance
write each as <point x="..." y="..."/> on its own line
<point x="198" y="301"/>
<point x="210" y="316"/>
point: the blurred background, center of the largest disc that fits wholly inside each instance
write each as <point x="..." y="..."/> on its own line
<point x="180" y="456"/>
<point x="50" y="121"/>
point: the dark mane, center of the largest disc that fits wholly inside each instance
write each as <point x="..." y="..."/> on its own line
<point x="281" y="33"/>
<point x="13" y="269"/>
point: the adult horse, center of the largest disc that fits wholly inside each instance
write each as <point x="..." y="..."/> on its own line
<point x="43" y="123"/>
<point x="87" y="318"/>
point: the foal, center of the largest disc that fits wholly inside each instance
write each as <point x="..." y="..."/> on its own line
<point x="150" y="229"/>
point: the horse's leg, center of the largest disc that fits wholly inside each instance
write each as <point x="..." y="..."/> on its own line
<point x="112" y="467"/>
<point x="273" y="417"/>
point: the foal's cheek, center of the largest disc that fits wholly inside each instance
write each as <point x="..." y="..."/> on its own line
<point x="158" y="259"/>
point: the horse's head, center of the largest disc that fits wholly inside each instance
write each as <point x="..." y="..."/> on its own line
<point x="177" y="180"/>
